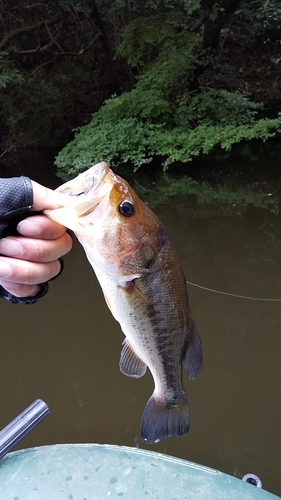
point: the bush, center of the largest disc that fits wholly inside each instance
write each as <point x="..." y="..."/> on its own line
<point x="167" y="115"/>
<point x="141" y="125"/>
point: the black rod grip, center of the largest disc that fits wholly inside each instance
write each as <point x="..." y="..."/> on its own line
<point x="22" y="425"/>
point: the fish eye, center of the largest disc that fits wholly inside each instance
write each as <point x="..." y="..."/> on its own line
<point x="126" y="208"/>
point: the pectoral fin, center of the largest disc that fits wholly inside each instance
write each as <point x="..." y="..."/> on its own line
<point x="130" y="364"/>
<point x="136" y="298"/>
<point x="193" y="356"/>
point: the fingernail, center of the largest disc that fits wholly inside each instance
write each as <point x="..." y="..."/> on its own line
<point x="27" y="228"/>
<point x="9" y="285"/>
<point x="11" y="247"/>
<point x="5" y="269"/>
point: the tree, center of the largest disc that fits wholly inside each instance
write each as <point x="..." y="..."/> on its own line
<point x="157" y="78"/>
<point x="177" y="109"/>
<point x="55" y="59"/>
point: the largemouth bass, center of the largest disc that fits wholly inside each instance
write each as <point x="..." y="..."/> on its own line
<point x="144" y="288"/>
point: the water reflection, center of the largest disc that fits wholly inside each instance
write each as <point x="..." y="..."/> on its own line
<point x="66" y="348"/>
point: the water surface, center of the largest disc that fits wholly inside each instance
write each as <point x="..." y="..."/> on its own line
<point x="65" y="349"/>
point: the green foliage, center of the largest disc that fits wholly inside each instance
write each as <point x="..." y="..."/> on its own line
<point x="216" y="8"/>
<point x="163" y="116"/>
<point x="261" y="15"/>
<point x="145" y="37"/>
<point x="141" y="125"/>
<point x="173" y="69"/>
<point x="8" y="75"/>
<point x="192" y="5"/>
<point x="177" y="104"/>
<point x="217" y="108"/>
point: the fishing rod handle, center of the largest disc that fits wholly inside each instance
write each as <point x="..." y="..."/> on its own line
<point x="22" y="425"/>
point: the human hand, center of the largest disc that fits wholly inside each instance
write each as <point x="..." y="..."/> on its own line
<point x="32" y="258"/>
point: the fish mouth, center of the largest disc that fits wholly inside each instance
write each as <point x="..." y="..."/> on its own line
<point x="81" y="196"/>
<point x="86" y="183"/>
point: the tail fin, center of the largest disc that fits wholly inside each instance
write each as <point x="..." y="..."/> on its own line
<point x="163" y="419"/>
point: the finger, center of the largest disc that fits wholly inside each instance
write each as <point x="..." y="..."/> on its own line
<point x="40" y="226"/>
<point x="27" y="273"/>
<point x="44" y="198"/>
<point x="35" y="250"/>
<point x="20" y="290"/>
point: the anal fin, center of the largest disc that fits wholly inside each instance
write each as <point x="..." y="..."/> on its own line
<point x="130" y="364"/>
<point x="193" y="355"/>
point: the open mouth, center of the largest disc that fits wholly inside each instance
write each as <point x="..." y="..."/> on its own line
<point x="86" y="182"/>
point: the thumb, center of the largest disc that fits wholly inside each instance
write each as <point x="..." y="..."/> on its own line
<point x="44" y="198"/>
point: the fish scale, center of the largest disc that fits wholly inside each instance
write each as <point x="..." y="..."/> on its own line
<point x="144" y="288"/>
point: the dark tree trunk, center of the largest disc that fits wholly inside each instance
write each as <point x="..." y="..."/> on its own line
<point x="213" y="26"/>
<point x="97" y="19"/>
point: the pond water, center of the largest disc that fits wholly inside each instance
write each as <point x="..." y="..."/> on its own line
<point x="65" y="349"/>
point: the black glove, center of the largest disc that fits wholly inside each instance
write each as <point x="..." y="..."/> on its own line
<point x="16" y="202"/>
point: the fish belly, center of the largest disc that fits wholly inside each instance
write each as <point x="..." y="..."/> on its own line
<point x="167" y="411"/>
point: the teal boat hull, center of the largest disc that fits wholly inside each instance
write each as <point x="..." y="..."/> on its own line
<point x="92" y="471"/>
